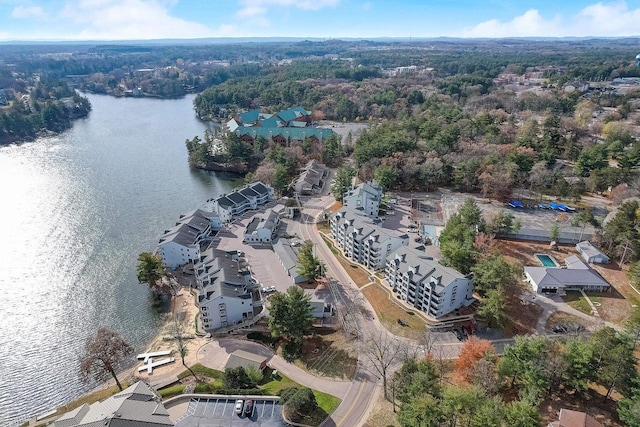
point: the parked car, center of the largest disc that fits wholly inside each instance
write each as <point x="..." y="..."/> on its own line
<point x="402" y="322"/>
<point x="248" y="407"/>
<point x="559" y="329"/>
<point x="268" y="289"/>
<point x="239" y="406"/>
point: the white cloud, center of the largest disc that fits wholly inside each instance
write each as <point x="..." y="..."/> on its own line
<point x="612" y="19"/>
<point x="128" y="19"/>
<point x="529" y="24"/>
<point x="260" y="7"/>
<point x="21" y="12"/>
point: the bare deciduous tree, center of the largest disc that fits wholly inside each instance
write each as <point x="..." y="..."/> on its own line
<point x="177" y="330"/>
<point x="383" y="350"/>
<point x="103" y="354"/>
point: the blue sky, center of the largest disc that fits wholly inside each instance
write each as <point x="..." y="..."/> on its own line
<point x="186" y="19"/>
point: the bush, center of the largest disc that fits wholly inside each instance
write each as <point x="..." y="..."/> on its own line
<point x="260" y="337"/>
<point x="254" y="375"/>
<point x="291" y="351"/>
<point x="236" y="378"/>
<point x="211" y="388"/>
<point x="300" y="403"/>
<point x="286" y="393"/>
<point x="168" y="392"/>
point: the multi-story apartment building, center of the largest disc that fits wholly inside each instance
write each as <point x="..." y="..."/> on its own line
<point x="241" y="200"/>
<point x="227" y="294"/>
<point x="427" y="285"/>
<point x="181" y="244"/>
<point x="362" y="240"/>
<point x="365" y="198"/>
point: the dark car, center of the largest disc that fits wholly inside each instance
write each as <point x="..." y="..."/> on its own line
<point x="248" y="407"/>
<point x="560" y="329"/>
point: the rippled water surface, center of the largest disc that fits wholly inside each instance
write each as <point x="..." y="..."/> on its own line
<point x="75" y="211"/>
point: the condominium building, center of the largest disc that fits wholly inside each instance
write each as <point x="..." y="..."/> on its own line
<point x="362" y="240"/>
<point x="365" y="197"/>
<point x="252" y="196"/>
<point x="262" y="229"/>
<point x="427" y="285"/>
<point x="227" y="294"/>
<point x="182" y="243"/>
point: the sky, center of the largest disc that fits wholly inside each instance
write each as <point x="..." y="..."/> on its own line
<point x="76" y="20"/>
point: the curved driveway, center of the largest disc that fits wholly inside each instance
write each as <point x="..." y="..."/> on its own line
<point x="214" y="354"/>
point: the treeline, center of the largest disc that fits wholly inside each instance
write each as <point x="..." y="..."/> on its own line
<point x="264" y="160"/>
<point x="493" y="144"/>
<point x="49" y="106"/>
<point x="491" y="391"/>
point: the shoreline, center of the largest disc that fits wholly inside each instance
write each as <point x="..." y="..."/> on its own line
<point x="130" y="373"/>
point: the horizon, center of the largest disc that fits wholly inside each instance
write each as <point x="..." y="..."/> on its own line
<point x="180" y="20"/>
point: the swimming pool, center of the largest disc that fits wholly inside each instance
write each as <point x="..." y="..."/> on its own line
<point x="546" y="260"/>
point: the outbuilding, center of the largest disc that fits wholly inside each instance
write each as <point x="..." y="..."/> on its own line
<point x="245" y="359"/>
<point x="591" y="254"/>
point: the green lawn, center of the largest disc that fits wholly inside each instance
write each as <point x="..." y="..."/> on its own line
<point x="326" y="402"/>
<point x="576" y="300"/>
<point x="169" y="392"/>
<point x="273" y="385"/>
<point x="329" y="244"/>
<point x="202" y="371"/>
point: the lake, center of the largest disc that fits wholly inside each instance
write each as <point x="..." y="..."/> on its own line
<point x="76" y="211"/>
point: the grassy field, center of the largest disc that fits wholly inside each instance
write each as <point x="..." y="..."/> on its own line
<point x="388" y="312"/>
<point x="359" y="275"/>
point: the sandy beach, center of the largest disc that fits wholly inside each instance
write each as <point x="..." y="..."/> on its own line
<point x="182" y="305"/>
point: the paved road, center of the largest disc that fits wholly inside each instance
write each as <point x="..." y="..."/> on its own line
<point x="363" y="391"/>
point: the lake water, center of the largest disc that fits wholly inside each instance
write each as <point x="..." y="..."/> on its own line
<point x="75" y="211"/>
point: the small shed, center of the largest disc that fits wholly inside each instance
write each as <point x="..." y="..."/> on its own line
<point x="245" y="359"/>
<point x="591" y="254"/>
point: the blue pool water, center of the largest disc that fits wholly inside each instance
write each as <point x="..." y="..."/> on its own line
<point x="546" y="260"/>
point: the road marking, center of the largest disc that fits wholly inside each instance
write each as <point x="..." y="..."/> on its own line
<point x="353" y="404"/>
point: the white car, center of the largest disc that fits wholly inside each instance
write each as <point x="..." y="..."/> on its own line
<point x="268" y="289"/>
<point x="239" y="406"/>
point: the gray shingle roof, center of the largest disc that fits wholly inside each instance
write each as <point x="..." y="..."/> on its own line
<point x="224" y="274"/>
<point x="224" y="202"/>
<point x="422" y="268"/>
<point x="545" y="276"/>
<point x="260" y="188"/>
<point x="248" y="192"/>
<point x="136" y="406"/>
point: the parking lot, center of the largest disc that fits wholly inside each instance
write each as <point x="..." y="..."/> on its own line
<point x="213" y="412"/>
